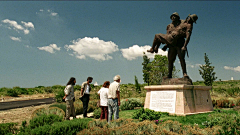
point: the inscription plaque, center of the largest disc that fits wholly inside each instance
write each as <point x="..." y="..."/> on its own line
<point x="163" y="101"/>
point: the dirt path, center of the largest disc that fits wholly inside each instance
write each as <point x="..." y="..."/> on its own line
<point x="18" y="115"/>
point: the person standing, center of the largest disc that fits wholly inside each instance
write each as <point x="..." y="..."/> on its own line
<point x="69" y="97"/>
<point x="85" y="93"/>
<point x="103" y="92"/>
<point x="114" y="98"/>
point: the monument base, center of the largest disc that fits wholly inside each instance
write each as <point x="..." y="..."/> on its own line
<point x="179" y="99"/>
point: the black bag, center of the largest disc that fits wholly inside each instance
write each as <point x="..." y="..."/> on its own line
<point x="63" y="100"/>
<point x="74" y="99"/>
<point x="81" y="98"/>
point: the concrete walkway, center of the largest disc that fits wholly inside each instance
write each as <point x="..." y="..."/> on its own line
<point x="81" y="116"/>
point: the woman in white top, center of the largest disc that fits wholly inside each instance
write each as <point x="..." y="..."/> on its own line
<point x="103" y="92"/>
<point x="69" y="97"/>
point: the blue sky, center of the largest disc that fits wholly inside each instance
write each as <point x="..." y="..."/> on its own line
<point x="46" y="43"/>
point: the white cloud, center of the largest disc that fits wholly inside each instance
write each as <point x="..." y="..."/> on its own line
<point x="54" y="14"/>
<point x="28" y="24"/>
<point x="236" y="69"/>
<point x="135" y="51"/>
<point x="13" y="24"/>
<point x="50" y="48"/>
<point x="193" y="66"/>
<point x="92" y="47"/>
<point x="47" y="12"/>
<point x="16" y="26"/>
<point x="16" y="38"/>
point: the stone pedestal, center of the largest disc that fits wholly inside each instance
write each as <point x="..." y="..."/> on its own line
<point x="179" y="99"/>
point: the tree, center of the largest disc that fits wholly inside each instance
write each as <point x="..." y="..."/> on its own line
<point x="206" y="71"/>
<point x="146" y="68"/>
<point x="137" y="86"/>
<point x="159" y="69"/>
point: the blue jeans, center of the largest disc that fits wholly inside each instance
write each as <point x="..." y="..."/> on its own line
<point x="113" y="108"/>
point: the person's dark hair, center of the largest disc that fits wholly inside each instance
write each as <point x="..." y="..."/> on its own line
<point x="107" y="83"/>
<point x="89" y="78"/>
<point x="71" y="81"/>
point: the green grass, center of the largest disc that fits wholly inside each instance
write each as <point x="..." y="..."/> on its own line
<point x="127" y="114"/>
<point x="185" y="120"/>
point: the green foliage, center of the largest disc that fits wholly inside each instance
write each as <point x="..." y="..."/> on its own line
<point x="59" y="96"/>
<point x="159" y="69"/>
<point x="133" y="127"/>
<point x="130" y="103"/>
<point x="52" y="126"/>
<point x="206" y="71"/>
<point x="97" y="113"/>
<point x="146" y="114"/>
<point x="224" y="119"/>
<point x="59" y="105"/>
<point x="12" y="93"/>
<point x="137" y="85"/>
<point x="43" y="120"/>
<point x="7" y="128"/>
<point x="224" y="103"/>
<point x="77" y="88"/>
<point x="47" y="111"/>
<point x="233" y="91"/>
<point x="146" y="68"/>
<point x="21" y="90"/>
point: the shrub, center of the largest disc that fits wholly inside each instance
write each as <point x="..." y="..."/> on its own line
<point x="233" y="91"/>
<point x="219" y="90"/>
<point x="59" y="128"/>
<point x="7" y="128"/>
<point x="130" y="103"/>
<point x="61" y="106"/>
<point x="59" y="96"/>
<point x="146" y="114"/>
<point x="225" y="120"/>
<point x="21" y="90"/>
<point x="97" y="113"/>
<point x="12" y="93"/>
<point x="47" y="111"/>
<point x="48" y="89"/>
<point x="78" y="107"/>
<point x="44" y="119"/>
<point x="222" y="103"/>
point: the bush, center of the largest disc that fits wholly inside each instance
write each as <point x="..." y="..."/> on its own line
<point x="21" y="90"/>
<point x="219" y="90"/>
<point x="12" y="93"/>
<point x="223" y="119"/>
<point x="130" y="103"/>
<point x="221" y="103"/>
<point x="7" y="128"/>
<point x="59" y="96"/>
<point x="61" y="106"/>
<point x="234" y="91"/>
<point x="146" y="114"/>
<point x="46" y="111"/>
<point x="97" y="113"/>
<point x="78" y="107"/>
<point x="58" y="128"/>
<point x="44" y="120"/>
<point x="48" y="89"/>
<point x="130" y="126"/>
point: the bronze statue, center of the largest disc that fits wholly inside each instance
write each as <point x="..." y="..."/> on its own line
<point x="177" y="31"/>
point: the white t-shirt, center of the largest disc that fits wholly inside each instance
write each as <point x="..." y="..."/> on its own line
<point x="87" y="90"/>
<point x="103" y="96"/>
